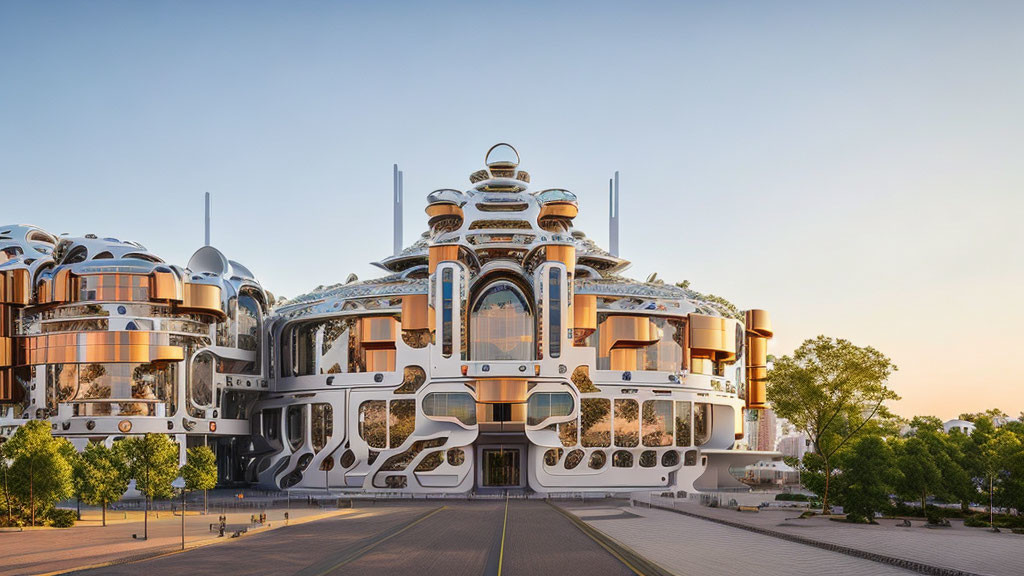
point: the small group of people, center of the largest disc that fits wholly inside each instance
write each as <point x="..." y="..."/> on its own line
<point x="260" y="518"/>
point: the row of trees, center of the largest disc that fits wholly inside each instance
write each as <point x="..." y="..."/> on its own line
<point x="862" y="455"/>
<point x="39" y="470"/>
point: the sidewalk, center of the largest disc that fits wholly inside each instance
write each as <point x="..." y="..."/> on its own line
<point x="959" y="548"/>
<point x="686" y="546"/>
<point x="88" y="543"/>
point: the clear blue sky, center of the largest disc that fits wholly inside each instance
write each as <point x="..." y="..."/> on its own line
<point x="853" y="167"/>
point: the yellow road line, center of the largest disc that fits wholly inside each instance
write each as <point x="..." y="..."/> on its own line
<point x="504" y="524"/>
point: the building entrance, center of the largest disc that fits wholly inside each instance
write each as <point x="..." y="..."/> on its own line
<point x="501" y="467"/>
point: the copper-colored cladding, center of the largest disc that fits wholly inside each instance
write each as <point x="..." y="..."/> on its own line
<point x="377" y="332"/>
<point x="6" y="359"/>
<point x="62" y="286"/>
<point x="584" y="313"/>
<point x="6" y="385"/>
<point x="164" y="286"/>
<point x="759" y="330"/>
<point x="485" y="414"/>
<point x="501" y="390"/>
<point x="414" y="312"/>
<point x="110" y="288"/>
<point x="381" y="360"/>
<point x="558" y="210"/>
<point x="15" y="287"/>
<point x="564" y="254"/>
<point x="712" y="337"/>
<point x="377" y="340"/>
<point x="204" y="297"/>
<point x="627" y="332"/>
<point x="479" y="176"/>
<point x="15" y="290"/>
<point x="442" y="253"/>
<point x="443" y="210"/>
<point x="44" y="291"/>
<point x="98" y="347"/>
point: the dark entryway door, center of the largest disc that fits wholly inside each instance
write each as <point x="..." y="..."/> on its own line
<point x="501" y="467"/>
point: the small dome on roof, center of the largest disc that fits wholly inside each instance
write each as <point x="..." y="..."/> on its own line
<point x="503" y="155"/>
<point x="556" y="195"/>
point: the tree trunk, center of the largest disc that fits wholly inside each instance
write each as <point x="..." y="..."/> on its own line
<point x="924" y="503"/>
<point x="7" y="496"/>
<point x="828" y="476"/>
<point x="104" y="512"/>
<point x="206" y="502"/>
<point x="31" y="495"/>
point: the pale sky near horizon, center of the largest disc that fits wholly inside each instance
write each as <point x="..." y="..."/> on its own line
<point x="856" y="169"/>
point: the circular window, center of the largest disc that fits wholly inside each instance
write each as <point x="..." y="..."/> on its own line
<point x="597" y="460"/>
<point x="648" y="459"/>
<point x="573" y="459"/>
<point x="670" y="458"/>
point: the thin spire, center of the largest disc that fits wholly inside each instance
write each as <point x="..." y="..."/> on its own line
<point x="399" y="178"/>
<point x="613" y="214"/>
<point x="209" y="207"/>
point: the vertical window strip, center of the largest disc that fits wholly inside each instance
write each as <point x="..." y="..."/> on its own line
<point x="555" y="312"/>
<point x="446" y="312"/>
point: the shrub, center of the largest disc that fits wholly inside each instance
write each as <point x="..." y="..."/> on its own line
<point x="934" y="516"/>
<point x="976" y="522"/>
<point x="790" y="497"/>
<point x="61" y="518"/>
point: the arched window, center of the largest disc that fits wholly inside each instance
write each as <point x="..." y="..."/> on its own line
<point x="501" y="325"/>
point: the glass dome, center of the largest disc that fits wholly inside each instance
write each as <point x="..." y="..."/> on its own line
<point x="446" y="196"/>
<point x="502" y="155"/>
<point x="556" y="195"/>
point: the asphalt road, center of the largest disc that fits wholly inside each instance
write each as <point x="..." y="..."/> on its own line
<point x="423" y="538"/>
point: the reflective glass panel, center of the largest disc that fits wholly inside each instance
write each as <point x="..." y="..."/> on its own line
<point x="627" y="422"/>
<point x="502" y="325"/>
<point x="657" y="423"/>
<point x="596" y="422"/>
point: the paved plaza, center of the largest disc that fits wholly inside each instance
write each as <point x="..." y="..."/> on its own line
<point x="959" y="548"/>
<point x="462" y="537"/>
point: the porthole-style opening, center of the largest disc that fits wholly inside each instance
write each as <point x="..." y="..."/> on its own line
<point x="348" y="458"/>
<point x="552" y="456"/>
<point x="573" y="459"/>
<point x="597" y="460"/>
<point x="622" y="459"/>
<point x="456" y="456"/>
<point x="670" y="458"/>
<point x="648" y="459"/>
<point x="690" y="459"/>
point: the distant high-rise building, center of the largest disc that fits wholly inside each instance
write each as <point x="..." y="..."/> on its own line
<point x="794" y="445"/>
<point x="765" y="431"/>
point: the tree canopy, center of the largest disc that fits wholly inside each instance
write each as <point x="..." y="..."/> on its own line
<point x="831" y="389"/>
<point x="101" y="476"/>
<point x="39" y="473"/>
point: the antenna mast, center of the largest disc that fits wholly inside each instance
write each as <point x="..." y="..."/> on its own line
<point x="208" y="209"/>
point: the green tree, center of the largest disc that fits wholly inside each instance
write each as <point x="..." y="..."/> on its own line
<point x="831" y="389"/>
<point x="152" y="461"/>
<point x="39" y="472"/>
<point x="920" y="476"/>
<point x="102" y="476"/>
<point x="200" y="471"/>
<point x="868" y="476"/>
<point x="8" y="499"/>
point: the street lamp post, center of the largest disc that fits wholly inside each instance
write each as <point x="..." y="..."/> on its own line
<point x="179" y="483"/>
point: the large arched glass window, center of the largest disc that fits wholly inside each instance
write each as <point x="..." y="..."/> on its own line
<point x="501" y="325"/>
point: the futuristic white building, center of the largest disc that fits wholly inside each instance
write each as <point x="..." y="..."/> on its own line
<point x="501" y="350"/>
